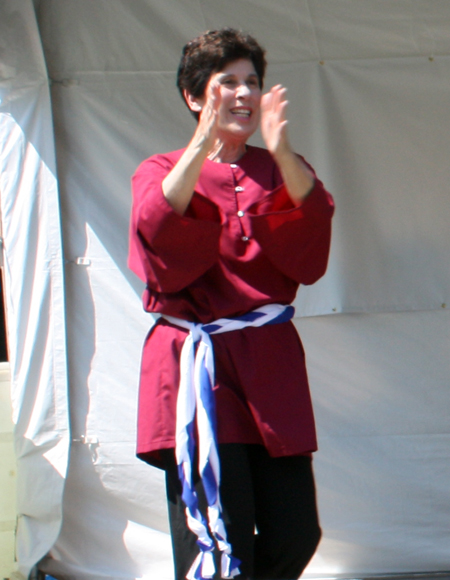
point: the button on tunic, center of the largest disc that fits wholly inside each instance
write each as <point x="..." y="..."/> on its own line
<point x="241" y="244"/>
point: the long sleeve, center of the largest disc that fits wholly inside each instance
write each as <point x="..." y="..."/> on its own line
<point x="295" y="239"/>
<point x="169" y="251"/>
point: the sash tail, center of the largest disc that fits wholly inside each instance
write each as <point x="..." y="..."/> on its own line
<point x="203" y="567"/>
<point x="209" y="465"/>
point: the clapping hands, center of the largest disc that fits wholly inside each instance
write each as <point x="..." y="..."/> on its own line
<point x="273" y="120"/>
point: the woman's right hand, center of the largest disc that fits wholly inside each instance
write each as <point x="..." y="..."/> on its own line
<point x="206" y="131"/>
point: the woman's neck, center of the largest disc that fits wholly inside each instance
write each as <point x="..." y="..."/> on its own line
<point x="227" y="152"/>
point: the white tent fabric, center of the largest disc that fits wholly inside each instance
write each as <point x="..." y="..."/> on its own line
<point x="369" y="86"/>
<point x="32" y="263"/>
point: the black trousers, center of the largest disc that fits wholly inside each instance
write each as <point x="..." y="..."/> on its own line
<point x="269" y="511"/>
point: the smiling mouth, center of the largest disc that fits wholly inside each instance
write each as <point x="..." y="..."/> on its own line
<point x="244" y="113"/>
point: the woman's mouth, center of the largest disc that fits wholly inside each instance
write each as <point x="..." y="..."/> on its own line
<point x="243" y="112"/>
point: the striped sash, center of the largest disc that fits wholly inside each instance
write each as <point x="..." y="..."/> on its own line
<point x="195" y="408"/>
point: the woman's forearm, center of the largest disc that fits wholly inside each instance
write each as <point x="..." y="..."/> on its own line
<point x="178" y="186"/>
<point x="297" y="178"/>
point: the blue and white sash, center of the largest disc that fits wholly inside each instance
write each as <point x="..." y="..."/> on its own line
<point x="195" y="407"/>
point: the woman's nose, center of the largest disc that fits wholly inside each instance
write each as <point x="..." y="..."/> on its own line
<point x="243" y="90"/>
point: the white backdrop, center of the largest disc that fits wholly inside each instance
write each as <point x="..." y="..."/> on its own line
<point x="369" y="90"/>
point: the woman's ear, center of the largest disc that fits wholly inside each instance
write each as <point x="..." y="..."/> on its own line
<point x="193" y="103"/>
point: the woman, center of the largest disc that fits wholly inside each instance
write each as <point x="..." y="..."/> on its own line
<point x="224" y="233"/>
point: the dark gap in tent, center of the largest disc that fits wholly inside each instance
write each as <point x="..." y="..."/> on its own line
<point x="3" y="344"/>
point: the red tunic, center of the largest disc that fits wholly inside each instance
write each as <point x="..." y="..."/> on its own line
<point x="241" y="244"/>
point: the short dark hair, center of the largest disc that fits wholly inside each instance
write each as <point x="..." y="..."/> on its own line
<point x="210" y="53"/>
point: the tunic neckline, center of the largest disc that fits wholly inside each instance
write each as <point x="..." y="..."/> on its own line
<point x="248" y="149"/>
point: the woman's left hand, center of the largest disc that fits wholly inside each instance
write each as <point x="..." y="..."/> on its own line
<point x="273" y="120"/>
<point x="297" y="178"/>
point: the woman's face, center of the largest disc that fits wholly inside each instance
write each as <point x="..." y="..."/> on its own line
<point x="240" y="99"/>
